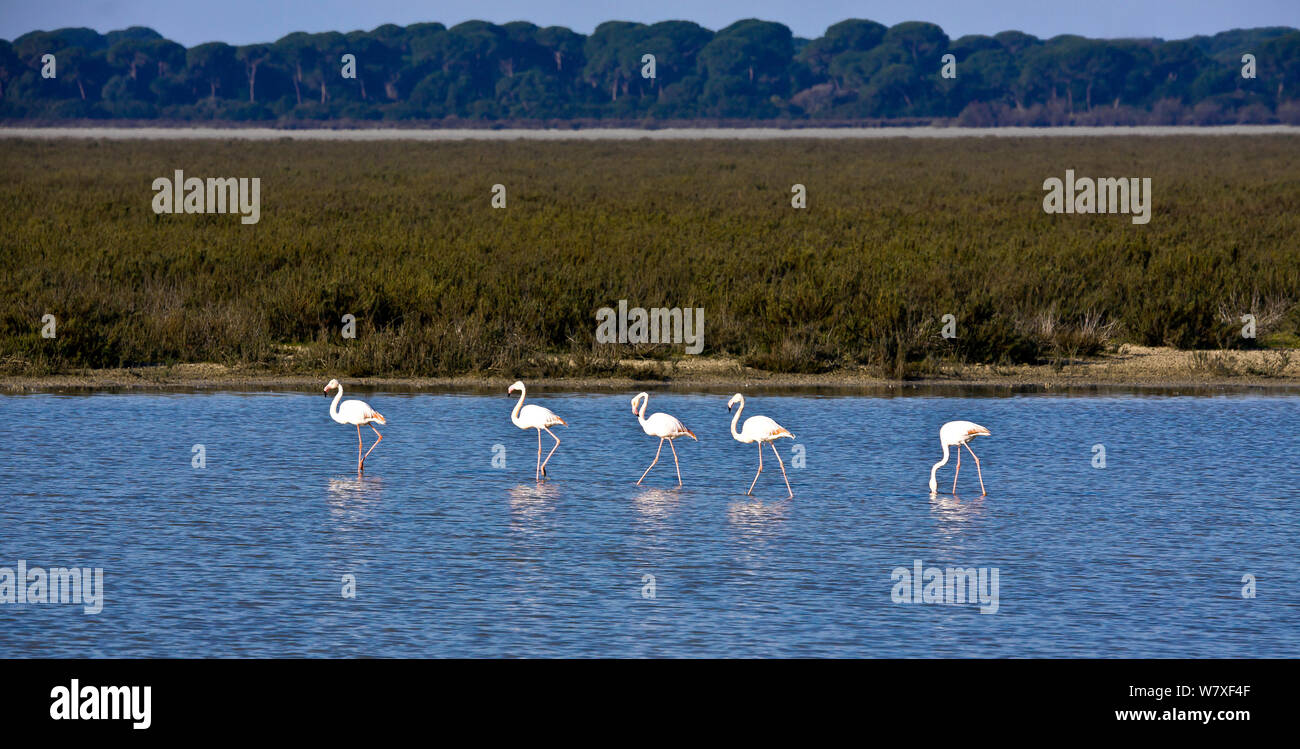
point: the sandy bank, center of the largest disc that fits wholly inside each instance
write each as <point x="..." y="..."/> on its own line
<point x="616" y="134"/>
<point x="1129" y="367"/>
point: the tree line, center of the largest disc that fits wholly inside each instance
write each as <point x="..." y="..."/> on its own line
<point x="858" y="71"/>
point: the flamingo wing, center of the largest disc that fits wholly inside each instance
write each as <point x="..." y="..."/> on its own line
<point x="960" y="432"/>
<point x="663" y="425"/>
<point x="536" y="417"/>
<point x="764" y="429"/>
<point x="359" y="412"/>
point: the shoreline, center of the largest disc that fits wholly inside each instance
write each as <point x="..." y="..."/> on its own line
<point x="1129" y="368"/>
<point x="627" y="134"/>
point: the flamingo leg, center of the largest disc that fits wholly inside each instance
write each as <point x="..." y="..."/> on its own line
<point x="760" y="469"/>
<point x="954" y="474"/>
<point x="378" y="438"/>
<point x="980" y="473"/>
<point x="552" y="452"/>
<point x="782" y="464"/>
<point x="537" y="475"/>
<point x="360" y="461"/>
<point x="652" y="463"/>
<point x="675" y="463"/>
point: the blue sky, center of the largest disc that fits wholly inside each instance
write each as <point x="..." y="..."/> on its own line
<point x="243" y="21"/>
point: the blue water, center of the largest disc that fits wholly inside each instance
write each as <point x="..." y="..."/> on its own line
<point x="454" y="557"/>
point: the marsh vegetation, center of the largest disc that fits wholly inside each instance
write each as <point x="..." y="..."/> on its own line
<point x="896" y="234"/>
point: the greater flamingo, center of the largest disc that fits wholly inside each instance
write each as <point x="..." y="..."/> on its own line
<point x="956" y="434"/>
<point x="535" y="417"/>
<point x="357" y="413"/>
<point x="759" y="429"/>
<point x="664" y="427"/>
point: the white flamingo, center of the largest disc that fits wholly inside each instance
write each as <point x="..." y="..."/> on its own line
<point x="535" y="417"/>
<point x="956" y="434"/>
<point x="759" y="429"/>
<point x="664" y="427"/>
<point x="357" y="413"/>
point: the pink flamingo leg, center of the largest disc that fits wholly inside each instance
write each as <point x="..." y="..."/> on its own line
<point x="760" y="469"/>
<point x="537" y="474"/>
<point x="552" y="452"/>
<point x="782" y="464"/>
<point x="379" y="438"/>
<point x="980" y="473"/>
<point x="954" y="474"/>
<point x="675" y="463"/>
<point x="360" y="460"/>
<point x="652" y="463"/>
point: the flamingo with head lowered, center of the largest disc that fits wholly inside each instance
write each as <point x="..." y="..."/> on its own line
<point x="357" y="413"/>
<point x="664" y="427"/>
<point x="759" y="429"/>
<point x="535" y="417"/>
<point x="956" y="434"/>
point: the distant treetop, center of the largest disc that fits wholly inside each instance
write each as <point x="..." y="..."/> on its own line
<point x="858" y="71"/>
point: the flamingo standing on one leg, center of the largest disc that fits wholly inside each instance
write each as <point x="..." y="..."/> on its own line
<point x="956" y="434"/>
<point x="759" y="429"/>
<point x="664" y="427"/>
<point x="535" y="417"/>
<point x="357" y="413"/>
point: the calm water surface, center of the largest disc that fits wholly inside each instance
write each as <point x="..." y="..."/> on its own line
<point x="455" y="557"/>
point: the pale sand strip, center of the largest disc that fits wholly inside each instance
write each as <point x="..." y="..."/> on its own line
<point x="757" y="133"/>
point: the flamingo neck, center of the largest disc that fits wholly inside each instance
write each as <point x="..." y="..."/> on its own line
<point x="940" y="464"/>
<point x="641" y="415"/>
<point x="514" y="415"/>
<point x="334" y="407"/>
<point x="739" y="407"/>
